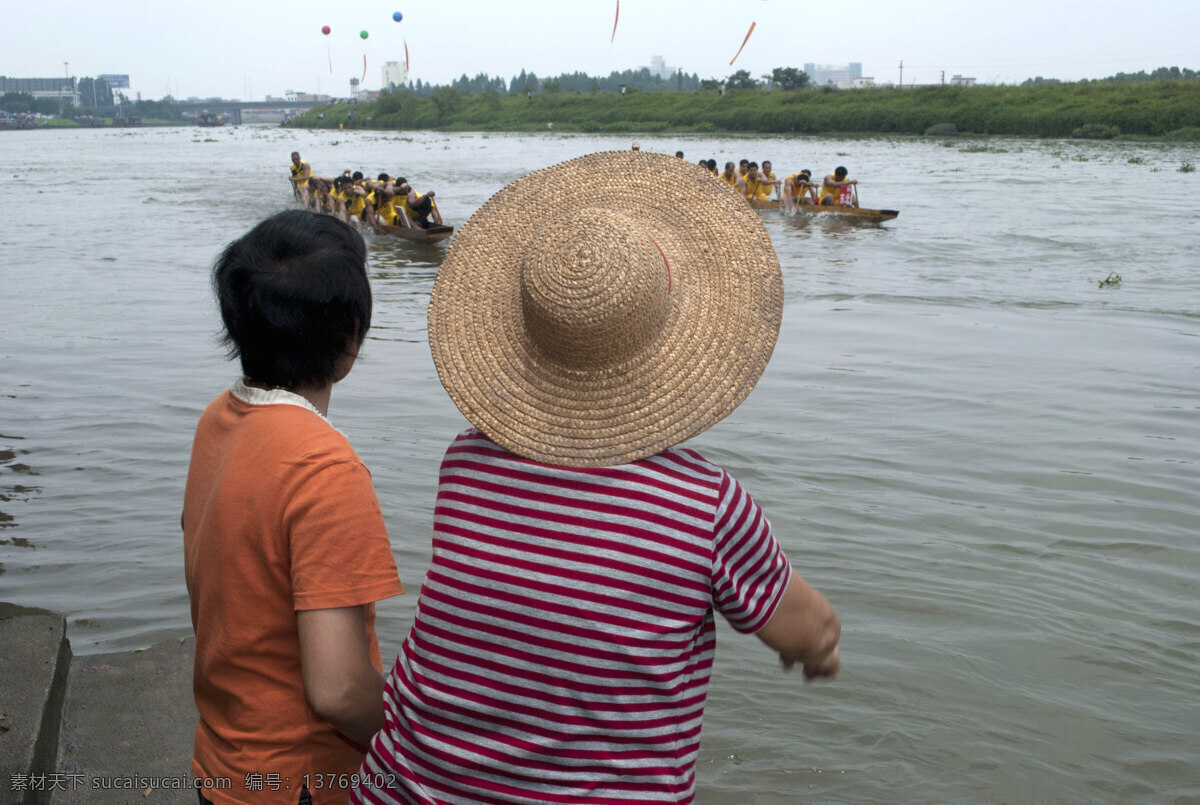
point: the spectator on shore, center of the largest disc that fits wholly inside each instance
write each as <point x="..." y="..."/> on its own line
<point x="563" y="642"/>
<point x="285" y="550"/>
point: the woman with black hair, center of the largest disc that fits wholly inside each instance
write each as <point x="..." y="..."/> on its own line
<point x="285" y="550"/>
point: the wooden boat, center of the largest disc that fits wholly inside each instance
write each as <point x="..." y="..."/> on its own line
<point x="858" y="213"/>
<point x="416" y="233"/>
<point x="764" y="203"/>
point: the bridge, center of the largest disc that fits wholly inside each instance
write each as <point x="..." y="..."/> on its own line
<point x="234" y="109"/>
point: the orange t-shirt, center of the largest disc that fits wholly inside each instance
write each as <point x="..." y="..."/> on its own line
<point x="279" y="515"/>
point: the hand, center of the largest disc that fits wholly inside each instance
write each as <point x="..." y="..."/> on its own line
<point x="825" y="668"/>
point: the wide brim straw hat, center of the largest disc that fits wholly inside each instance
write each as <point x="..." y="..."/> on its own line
<point x="601" y="310"/>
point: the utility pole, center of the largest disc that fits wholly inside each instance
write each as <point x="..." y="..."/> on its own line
<point x="902" y="74"/>
<point x="943" y="78"/>
<point x="66" y="75"/>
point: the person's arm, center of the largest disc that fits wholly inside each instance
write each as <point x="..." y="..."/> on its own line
<point x="340" y="683"/>
<point x="805" y="629"/>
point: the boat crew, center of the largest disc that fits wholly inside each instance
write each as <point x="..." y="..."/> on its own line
<point x="831" y="187"/>
<point x="299" y="178"/>
<point x="743" y="167"/>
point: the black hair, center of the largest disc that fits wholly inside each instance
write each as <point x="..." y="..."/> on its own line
<point x="841" y="170"/>
<point x="399" y="180"/>
<point x="294" y="297"/>
<point x="753" y="165"/>
<point x="383" y="177"/>
<point x="357" y="175"/>
<point x="712" y="164"/>
<point x="806" y="172"/>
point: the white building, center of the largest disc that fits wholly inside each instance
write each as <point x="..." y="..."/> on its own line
<point x="962" y="81"/>
<point x="394" y="74"/>
<point x="838" y="75"/>
<point x="660" y="68"/>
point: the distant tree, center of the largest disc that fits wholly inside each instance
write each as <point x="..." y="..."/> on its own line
<point x="95" y="92"/>
<point x="520" y="83"/>
<point x="447" y="100"/>
<point x="741" y="80"/>
<point x="789" y="78"/>
<point x="161" y="110"/>
<point x="16" y="102"/>
<point x="551" y="87"/>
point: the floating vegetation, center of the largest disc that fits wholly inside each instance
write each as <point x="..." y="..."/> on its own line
<point x="1111" y="280"/>
<point x="1187" y="167"/>
<point x="1081" y="158"/>
<point x="1137" y="160"/>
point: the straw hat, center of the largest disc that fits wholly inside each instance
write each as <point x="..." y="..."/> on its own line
<point x="604" y="309"/>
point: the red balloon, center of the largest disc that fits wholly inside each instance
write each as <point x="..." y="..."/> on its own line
<point x="325" y="30"/>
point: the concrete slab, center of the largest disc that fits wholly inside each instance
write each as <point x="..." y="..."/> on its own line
<point x="34" y="660"/>
<point x="128" y="727"/>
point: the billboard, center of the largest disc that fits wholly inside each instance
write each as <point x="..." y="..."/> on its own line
<point x="115" y="80"/>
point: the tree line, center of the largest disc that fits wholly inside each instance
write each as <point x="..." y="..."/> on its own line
<point x="1163" y="109"/>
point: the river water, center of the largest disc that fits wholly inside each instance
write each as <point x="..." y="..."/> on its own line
<point x="988" y="463"/>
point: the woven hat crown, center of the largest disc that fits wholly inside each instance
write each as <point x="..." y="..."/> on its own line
<point x="601" y="310"/>
<point x="595" y="291"/>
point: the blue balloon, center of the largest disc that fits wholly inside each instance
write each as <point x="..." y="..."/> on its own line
<point x="397" y="16"/>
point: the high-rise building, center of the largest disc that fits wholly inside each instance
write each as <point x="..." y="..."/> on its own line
<point x="395" y="74"/>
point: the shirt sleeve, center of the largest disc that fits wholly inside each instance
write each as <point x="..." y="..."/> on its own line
<point x="338" y="543"/>
<point x="750" y="571"/>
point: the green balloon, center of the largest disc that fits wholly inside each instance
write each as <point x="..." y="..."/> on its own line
<point x="363" y="34"/>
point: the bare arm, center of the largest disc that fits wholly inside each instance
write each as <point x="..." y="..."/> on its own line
<point x="805" y="629"/>
<point x="340" y="683"/>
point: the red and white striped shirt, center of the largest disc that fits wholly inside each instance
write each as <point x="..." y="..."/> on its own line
<point x="564" y="636"/>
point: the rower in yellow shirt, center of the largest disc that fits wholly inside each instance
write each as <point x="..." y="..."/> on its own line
<point x="731" y="177"/>
<point x="756" y="188"/>
<point x="831" y="187"/>
<point x="383" y="197"/>
<point x="798" y="189"/>
<point x="768" y="175"/>
<point x="301" y="173"/>
<point x="418" y="209"/>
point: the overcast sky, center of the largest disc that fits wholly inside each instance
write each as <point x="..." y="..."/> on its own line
<point x="247" y="49"/>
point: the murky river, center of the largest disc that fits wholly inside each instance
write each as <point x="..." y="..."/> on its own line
<point x="990" y="464"/>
